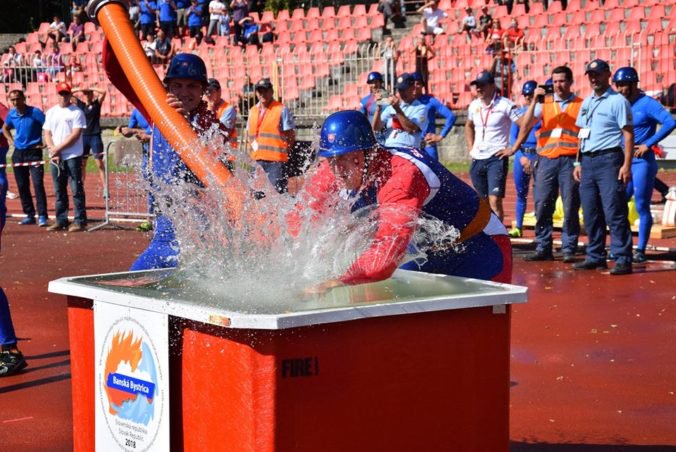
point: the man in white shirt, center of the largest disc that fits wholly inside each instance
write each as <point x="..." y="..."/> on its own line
<point x="63" y="129"/>
<point x="404" y="118"/>
<point x="216" y="10"/>
<point x="432" y="17"/>
<point x="489" y="119"/>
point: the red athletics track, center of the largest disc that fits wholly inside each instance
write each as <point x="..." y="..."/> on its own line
<point x="593" y="365"/>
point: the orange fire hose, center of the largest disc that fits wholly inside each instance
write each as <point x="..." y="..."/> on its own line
<point x="114" y="20"/>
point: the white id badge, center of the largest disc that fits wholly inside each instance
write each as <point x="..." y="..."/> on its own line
<point x="584" y="133"/>
<point x="254" y="145"/>
<point x="556" y="133"/>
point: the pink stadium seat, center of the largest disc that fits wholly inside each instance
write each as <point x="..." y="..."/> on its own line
<point x="363" y="34"/>
<point x="267" y="16"/>
<point x="360" y="22"/>
<point x="298" y="13"/>
<point x="359" y="10"/>
<point x="573" y="6"/>
<point x="615" y="15"/>
<point x="332" y="36"/>
<point x="312" y="12"/>
<point x="283" y="15"/>
<point x="519" y="9"/>
<point x="344" y="22"/>
<point x="656" y="11"/>
<point x="377" y="22"/>
<point x="536" y="8"/>
<point x="597" y="16"/>
<point x="312" y="23"/>
<point x="610" y="4"/>
<point x="558" y="19"/>
<point x="373" y="10"/>
<point x="328" y="11"/>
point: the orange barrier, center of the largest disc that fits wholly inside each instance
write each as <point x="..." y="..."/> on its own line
<point x="114" y="19"/>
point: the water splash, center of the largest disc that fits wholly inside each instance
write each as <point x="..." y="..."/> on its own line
<point x="279" y="247"/>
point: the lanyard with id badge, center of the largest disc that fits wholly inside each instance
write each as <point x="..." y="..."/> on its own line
<point x="585" y="132"/>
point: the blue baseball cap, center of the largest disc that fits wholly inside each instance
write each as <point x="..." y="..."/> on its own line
<point x="484" y="78"/>
<point x="597" y="66"/>
<point x="404" y="81"/>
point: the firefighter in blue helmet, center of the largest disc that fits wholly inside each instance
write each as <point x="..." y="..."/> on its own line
<point x="524" y="159"/>
<point x="647" y="113"/>
<point x="186" y="80"/>
<point x="354" y="165"/>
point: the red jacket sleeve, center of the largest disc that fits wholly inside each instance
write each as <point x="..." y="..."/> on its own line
<point x="400" y="200"/>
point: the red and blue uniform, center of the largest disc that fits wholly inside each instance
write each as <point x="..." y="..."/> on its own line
<point x="410" y="178"/>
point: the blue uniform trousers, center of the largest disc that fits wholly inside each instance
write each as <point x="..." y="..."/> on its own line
<point x="643" y="173"/>
<point x="163" y="250"/>
<point x="553" y="176"/>
<point x="7" y="335"/>
<point x="604" y="202"/>
<point x="522" y="184"/>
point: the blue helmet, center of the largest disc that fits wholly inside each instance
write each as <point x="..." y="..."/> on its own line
<point x="188" y="66"/>
<point x="417" y="77"/>
<point x="625" y="74"/>
<point x="374" y="77"/>
<point x="345" y="131"/>
<point x="549" y="82"/>
<point x="529" y="87"/>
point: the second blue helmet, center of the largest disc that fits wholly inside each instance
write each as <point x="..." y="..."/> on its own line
<point x="187" y="66"/>
<point x="345" y="131"/>
<point x="374" y="77"/>
<point x="529" y="87"/>
<point x="625" y="74"/>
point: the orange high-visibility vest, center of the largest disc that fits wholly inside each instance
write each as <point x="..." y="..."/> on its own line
<point x="554" y="118"/>
<point x="270" y="144"/>
<point x="232" y="139"/>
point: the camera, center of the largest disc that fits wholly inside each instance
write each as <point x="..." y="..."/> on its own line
<point x="384" y="98"/>
<point x="549" y="89"/>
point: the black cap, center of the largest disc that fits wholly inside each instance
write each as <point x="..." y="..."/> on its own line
<point x="484" y="78"/>
<point x="212" y="83"/>
<point x="264" y="83"/>
<point x="597" y="66"/>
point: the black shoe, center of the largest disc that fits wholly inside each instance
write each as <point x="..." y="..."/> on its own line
<point x="639" y="257"/>
<point x="590" y="265"/>
<point x="539" y="256"/>
<point x="27" y="221"/>
<point x="11" y="363"/>
<point x="568" y="258"/>
<point x="621" y="269"/>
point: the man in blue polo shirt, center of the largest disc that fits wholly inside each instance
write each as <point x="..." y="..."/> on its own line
<point x="167" y="13"/>
<point x="434" y="108"/>
<point x="404" y="119"/>
<point x="27" y="142"/>
<point x="603" y="169"/>
<point x="647" y="114"/>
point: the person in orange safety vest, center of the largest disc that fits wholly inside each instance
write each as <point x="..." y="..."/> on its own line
<point x="557" y="144"/>
<point x="225" y="112"/>
<point x="271" y="135"/>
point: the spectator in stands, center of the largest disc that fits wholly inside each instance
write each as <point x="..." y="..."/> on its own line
<point x="391" y="10"/>
<point x="668" y="98"/>
<point x="495" y="39"/>
<point x="367" y="105"/>
<point x="182" y="16"/>
<point x="135" y="14"/>
<point x="39" y="66"/>
<point x="148" y="18"/>
<point x="489" y="119"/>
<point x="55" y="61"/>
<point x="267" y="32"/>
<point x="224" y="111"/>
<point x="27" y="142"/>
<point x="647" y="114"/>
<point x="167" y="16"/>
<point x="216" y="11"/>
<point x="148" y="45"/>
<point x="11" y="62"/>
<point x="224" y="25"/>
<point x="485" y="22"/>
<point x="249" y="32"/>
<point x="248" y="96"/>
<point x="64" y="124"/>
<point x="240" y="10"/>
<point x="404" y="118"/>
<point x="468" y="24"/>
<point x="271" y="135"/>
<point x="76" y="32"/>
<point x="164" y="48"/>
<point x="195" y="13"/>
<point x="434" y="109"/>
<point x="432" y="18"/>
<point x="390" y="55"/>
<point x="57" y="29"/>
<point x="603" y="169"/>
<point x="504" y="72"/>
<point x="514" y="37"/>
<point x="423" y="52"/>
<point x="92" y="143"/>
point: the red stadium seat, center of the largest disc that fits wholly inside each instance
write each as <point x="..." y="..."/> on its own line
<point x="267" y="16"/>
<point x="359" y="10"/>
<point x="283" y="15"/>
<point x="298" y="13"/>
<point x="312" y="12"/>
<point x="611" y="4"/>
<point x="554" y="7"/>
<point x="328" y="11"/>
<point x="573" y="6"/>
<point x="615" y="15"/>
<point x="519" y="9"/>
